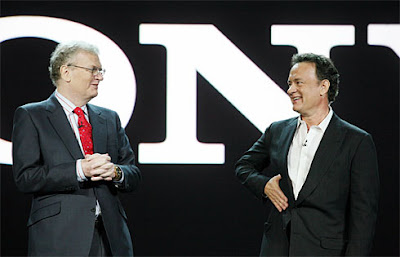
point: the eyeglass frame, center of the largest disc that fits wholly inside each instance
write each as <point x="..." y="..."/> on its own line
<point x="92" y="70"/>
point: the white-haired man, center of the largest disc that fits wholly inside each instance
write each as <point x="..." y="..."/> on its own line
<point x="74" y="158"/>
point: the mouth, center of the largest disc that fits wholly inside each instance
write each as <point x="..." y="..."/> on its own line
<point x="295" y="99"/>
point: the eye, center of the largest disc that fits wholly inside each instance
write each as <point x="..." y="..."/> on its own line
<point x="96" y="71"/>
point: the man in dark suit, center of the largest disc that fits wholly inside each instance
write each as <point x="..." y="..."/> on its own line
<point x="324" y="181"/>
<point x="74" y="158"/>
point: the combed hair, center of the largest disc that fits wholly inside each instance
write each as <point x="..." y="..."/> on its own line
<point x="325" y="69"/>
<point x="63" y="53"/>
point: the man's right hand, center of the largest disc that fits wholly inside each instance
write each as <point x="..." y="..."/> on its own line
<point x="98" y="167"/>
<point x="275" y="194"/>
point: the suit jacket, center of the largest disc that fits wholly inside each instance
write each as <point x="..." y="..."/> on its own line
<point x="45" y="150"/>
<point x="336" y="209"/>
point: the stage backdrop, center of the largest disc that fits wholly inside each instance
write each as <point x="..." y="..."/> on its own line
<point x="195" y="85"/>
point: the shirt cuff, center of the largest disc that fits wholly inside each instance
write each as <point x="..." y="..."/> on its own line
<point x="79" y="171"/>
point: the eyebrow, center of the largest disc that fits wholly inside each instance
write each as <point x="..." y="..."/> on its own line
<point x="296" y="79"/>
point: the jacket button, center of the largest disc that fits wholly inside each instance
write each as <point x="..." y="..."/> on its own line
<point x="93" y="209"/>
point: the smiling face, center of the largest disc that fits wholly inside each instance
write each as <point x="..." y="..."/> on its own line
<point x="307" y="93"/>
<point x="83" y="85"/>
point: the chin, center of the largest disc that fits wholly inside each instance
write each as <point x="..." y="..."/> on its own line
<point x="94" y="93"/>
<point x="90" y="97"/>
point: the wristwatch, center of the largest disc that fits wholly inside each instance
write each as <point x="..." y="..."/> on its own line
<point x="117" y="172"/>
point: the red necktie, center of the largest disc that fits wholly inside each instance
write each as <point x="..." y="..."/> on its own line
<point x="85" y="131"/>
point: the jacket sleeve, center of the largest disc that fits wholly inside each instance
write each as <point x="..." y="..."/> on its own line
<point x="364" y="197"/>
<point x="250" y="166"/>
<point x="31" y="173"/>
<point x="126" y="161"/>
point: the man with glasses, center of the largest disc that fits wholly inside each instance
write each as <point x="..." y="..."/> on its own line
<point x="74" y="157"/>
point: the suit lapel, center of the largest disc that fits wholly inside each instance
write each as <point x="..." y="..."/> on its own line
<point x="285" y="142"/>
<point x="323" y="158"/>
<point x="286" y="185"/>
<point x="99" y="129"/>
<point x="63" y="128"/>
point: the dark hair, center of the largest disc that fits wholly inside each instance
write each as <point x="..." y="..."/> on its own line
<point x="325" y="69"/>
<point x="63" y="53"/>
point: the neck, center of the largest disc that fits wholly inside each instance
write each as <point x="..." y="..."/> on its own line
<point x="316" y="118"/>
<point x="74" y="98"/>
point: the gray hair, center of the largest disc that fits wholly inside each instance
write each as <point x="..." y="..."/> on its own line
<point x="63" y="53"/>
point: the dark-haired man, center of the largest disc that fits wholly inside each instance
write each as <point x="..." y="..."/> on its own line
<point x="74" y="158"/>
<point x="325" y="185"/>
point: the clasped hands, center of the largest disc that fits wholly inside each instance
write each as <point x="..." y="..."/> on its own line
<point x="275" y="194"/>
<point x="98" y="167"/>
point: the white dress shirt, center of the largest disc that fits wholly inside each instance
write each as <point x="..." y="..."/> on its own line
<point x="69" y="108"/>
<point x="302" y="151"/>
<point x="73" y="120"/>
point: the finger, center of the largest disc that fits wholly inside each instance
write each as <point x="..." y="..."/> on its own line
<point x="107" y="174"/>
<point x="280" y="193"/>
<point x="282" y="197"/>
<point x="95" y="173"/>
<point x="104" y="170"/>
<point x="97" y="156"/>
<point x="105" y="165"/>
<point x="277" y="206"/>
<point x="106" y="156"/>
<point x="98" y="171"/>
<point x="278" y="202"/>
<point x="275" y="193"/>
<point x="99" y="162"/>
<point x="91" y="156"/>
<point x="96" y="178"/>
<point x="96" y="165"/>
<point x="107" y="168"/>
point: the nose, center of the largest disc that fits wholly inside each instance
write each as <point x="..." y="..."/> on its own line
<point x="291" y="89"/>
<point x="99" y="76"/>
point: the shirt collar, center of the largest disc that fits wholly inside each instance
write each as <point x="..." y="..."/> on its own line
<point x="67" y="105"/>
<point x="324" y="123"/>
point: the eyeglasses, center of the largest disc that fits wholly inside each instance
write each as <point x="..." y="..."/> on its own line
<point x="95" y="71"/>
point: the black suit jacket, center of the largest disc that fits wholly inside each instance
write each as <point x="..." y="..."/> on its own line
<point x="62" y="216"/>
<point x="336" y="209"/>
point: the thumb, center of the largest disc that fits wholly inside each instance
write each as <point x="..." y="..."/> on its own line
<point x="278" y="177"/>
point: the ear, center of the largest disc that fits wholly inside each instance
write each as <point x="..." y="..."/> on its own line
<point x="65" y="73"/>
<point x="324" y="87"/>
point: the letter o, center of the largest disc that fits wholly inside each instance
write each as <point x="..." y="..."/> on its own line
<point x="119" y="84"/>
